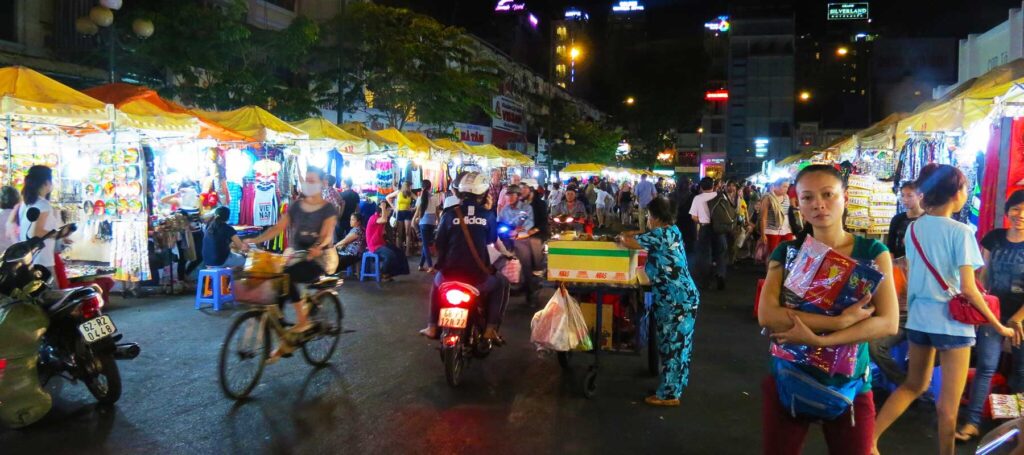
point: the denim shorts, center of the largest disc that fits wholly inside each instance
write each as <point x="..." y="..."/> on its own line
<point x="938" y="341"/>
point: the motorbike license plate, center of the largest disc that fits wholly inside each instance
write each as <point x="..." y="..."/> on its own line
<point x="97" y="329"/>
<point x="454" y="318"/>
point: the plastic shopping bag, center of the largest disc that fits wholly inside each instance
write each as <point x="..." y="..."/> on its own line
<point x="560" y="325"/>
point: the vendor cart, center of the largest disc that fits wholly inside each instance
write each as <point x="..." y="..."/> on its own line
<point x="639" y="293"/>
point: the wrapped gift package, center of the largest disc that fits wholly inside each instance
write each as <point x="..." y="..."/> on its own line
<point x="855" y="211"/>
<point x="591" y="261"/>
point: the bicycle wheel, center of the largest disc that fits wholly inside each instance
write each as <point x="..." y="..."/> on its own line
<point x="326" y="314"/>
<point x="244" y="354"/>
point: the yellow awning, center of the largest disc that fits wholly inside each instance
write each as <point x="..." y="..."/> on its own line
<point x="27" y="93"/>
<point x="256" y="123"/>
<point x="881" y="135"/>
<point x="583" y="168"/>
<point x="517" y="157"/>
<point x="454" y="146"/>
<point x="319" y="129"/>
<point x="396" y="137"/>
<point x="359" y="130"/>
<point x="423" y="143"/>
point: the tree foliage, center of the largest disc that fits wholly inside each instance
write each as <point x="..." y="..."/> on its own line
<point x="411" y="66"/>
<point x="206" y="54"/>
<point x="593" y="142"/>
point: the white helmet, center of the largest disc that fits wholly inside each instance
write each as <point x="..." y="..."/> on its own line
<point x="474" y="183"/>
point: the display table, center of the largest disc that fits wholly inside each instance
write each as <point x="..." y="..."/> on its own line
<point x="637" y="290"/>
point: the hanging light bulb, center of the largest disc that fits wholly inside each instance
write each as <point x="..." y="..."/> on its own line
<point x="102" y="16"/>
<point x="86" y="26"/>
<point x="143" y="28"/>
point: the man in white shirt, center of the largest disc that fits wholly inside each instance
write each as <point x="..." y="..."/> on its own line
<point x="555" y="195"/>
<point x="604" y="202"/>
<point x="711" y="246"/>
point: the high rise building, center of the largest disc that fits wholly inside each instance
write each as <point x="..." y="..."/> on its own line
<point x="761" y="90"/>
<point x="571" y="44"/>
<point x="714" y="117"/>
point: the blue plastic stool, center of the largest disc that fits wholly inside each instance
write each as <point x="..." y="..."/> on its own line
<point x="215" y="286"/>
<point x="364" y="271"/>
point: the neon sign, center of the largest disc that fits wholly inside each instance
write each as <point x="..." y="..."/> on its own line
<point x="534" y="22"/>
<point x="848" y="11"/>
<point x="716" y="95"/>
<point x="627" y="6"/>
<point x="720" y="24"/>
<point x="575" y="14"/>
<point x="504" y="6"/>
<point x="760" y="147"/>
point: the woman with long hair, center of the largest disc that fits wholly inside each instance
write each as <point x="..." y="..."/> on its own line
<point x="428" y="207"/>
<point x="822" y="193"/>
<point x="402" y="201"/>
<point x="950" y="247"/>
<point x="36" y="194"/>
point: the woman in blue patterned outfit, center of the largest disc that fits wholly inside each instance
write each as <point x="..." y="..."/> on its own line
<point x="675" y="298"/>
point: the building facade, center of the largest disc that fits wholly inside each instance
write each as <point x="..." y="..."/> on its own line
<point x="760" y="88"/>
<point x="981" y="52"/>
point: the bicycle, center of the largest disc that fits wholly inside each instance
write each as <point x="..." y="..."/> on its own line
<point x="254" y="329"/>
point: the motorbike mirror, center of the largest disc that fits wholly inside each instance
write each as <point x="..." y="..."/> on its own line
<point x="67" y="230"/>
<point x="32" y="214"/>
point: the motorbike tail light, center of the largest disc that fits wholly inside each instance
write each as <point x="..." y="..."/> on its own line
<point x="91" y="306"/>
<point x="456" y="297"/>
<point x="451" y="340"/>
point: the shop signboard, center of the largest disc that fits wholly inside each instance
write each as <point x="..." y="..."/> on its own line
<point x="472" y="134"/>
<point x="509" y="115"/>
<point x="848" y="11"/>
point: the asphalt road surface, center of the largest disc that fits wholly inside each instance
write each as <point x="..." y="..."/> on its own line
<point x="386" y="393"/>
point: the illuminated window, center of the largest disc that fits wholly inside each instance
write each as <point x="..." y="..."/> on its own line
<point x="562" y="32"/>
<point x="853" y="78"/>
<point x="817" y="55"/>
<point x="560" y="69"/>
<point x="560" y="50"/>
<point x="561" y="84"/>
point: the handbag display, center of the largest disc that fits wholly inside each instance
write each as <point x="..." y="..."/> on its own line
<point x="960" y="307"/>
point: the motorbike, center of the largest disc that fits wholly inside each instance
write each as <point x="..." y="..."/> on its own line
<point x="81" y="343"/>
<point x="462" y="322"/>
<point x="569" y="223"/>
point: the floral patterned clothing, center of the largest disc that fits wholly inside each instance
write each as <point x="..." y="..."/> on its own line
<point x="675" y="306"/>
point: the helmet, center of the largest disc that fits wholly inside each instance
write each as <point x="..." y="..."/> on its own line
<point x="450" y="201"/>
<point x="474" y="183"/>
<point x="532" y="183"/>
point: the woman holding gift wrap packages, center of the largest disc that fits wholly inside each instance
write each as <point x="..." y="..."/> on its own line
<point x="675" y="298"/>
<point x="822" y="196"/>
<point x="951" y="248"/>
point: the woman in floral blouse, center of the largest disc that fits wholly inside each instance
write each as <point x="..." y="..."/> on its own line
<point x="675" y="298"/>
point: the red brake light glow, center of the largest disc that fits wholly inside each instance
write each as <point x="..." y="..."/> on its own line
<point x="451" y="340"/>
<point x="456" y="297"/>
<point x="91" y="307"/>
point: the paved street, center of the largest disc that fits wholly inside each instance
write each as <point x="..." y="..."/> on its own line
<point x="386" y="391"/>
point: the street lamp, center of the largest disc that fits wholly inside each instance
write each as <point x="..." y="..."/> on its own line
<point x="842" y="51"/>
<point x="805" y="96"/>
<point x="630" y="101"/>
<point x="102" y="16"/>
<point x="575" y="53"/>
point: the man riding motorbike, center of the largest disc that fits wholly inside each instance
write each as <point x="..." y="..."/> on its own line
<point x="571" y="207"/>
<point x="463" y="234"/>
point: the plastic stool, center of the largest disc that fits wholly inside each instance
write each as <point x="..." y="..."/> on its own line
<point x="364" y="271"/>
<point x="215" y="287"/>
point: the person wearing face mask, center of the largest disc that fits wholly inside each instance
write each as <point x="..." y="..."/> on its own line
<point x="310" y="225"/>
<point x="36" y="194"/>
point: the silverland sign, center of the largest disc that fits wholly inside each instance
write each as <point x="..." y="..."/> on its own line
<point x="848" y="11"/>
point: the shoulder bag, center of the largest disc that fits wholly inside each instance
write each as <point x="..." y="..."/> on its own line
<point x="488" y="270"/>
<point x="960" y="307"/>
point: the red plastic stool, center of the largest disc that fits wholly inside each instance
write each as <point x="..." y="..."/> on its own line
<point x="999" y="385"/>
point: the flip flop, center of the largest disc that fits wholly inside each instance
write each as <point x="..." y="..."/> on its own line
<point x="963" y="436"/>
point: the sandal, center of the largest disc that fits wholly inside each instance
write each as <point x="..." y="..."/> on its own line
<point x="433" y="336"/>
<point x="653" y="400"/>
<point x="963" y="435"/>
<point x="283" y="350"/>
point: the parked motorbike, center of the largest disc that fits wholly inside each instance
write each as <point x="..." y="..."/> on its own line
<point x="81" y="343"/>
<point x="462" y="322"/>
<point x="568" y="223"/>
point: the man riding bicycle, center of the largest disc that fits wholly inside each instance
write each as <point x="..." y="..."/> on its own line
<point x="460" y="260"/>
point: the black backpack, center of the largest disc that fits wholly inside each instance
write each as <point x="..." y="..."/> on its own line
<point x="723" y="214"/>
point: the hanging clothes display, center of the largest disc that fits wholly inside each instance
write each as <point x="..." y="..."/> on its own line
<point x="987" y="209"/>
<point x="1015" y="175"/>
<point x="385" y="176"/>
<point x="235" y="192"/>
<point x="245" y="215"/>
<point x="265" y="201"/>
<point x="131" y="258"/>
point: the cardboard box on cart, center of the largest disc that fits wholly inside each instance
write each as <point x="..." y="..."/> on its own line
<point x="590" y="261"/>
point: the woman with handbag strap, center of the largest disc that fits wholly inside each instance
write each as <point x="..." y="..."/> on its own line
<point x="949" y="247"/>
<point x="822" y="194"/>
<point x="1003" y="273"/>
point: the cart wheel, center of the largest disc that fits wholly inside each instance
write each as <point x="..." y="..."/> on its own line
<point x="653" y="360"/>
<point x="563" y="359"/>
<point x="590" y="383"/>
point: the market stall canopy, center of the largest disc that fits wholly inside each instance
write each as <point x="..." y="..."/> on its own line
<point x="968" y="104"/>
<point x="423" y="143"/>
<point x="420" y="147"/>
<point x="796" y="158"/>
<point x="28" y="94"/>
<point x="454" y="146"/>
<point x="517" y="157"/>
<point x="360" y="130"/>
<point x="583" y="168"/>
<point x="128" y="98"/>
<point x="319" y="129"/>
<point x="881" y="135"/>
<point x="496" y="156"/>
<point x="256" y="123"/>
<point x="143" y="108"/>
